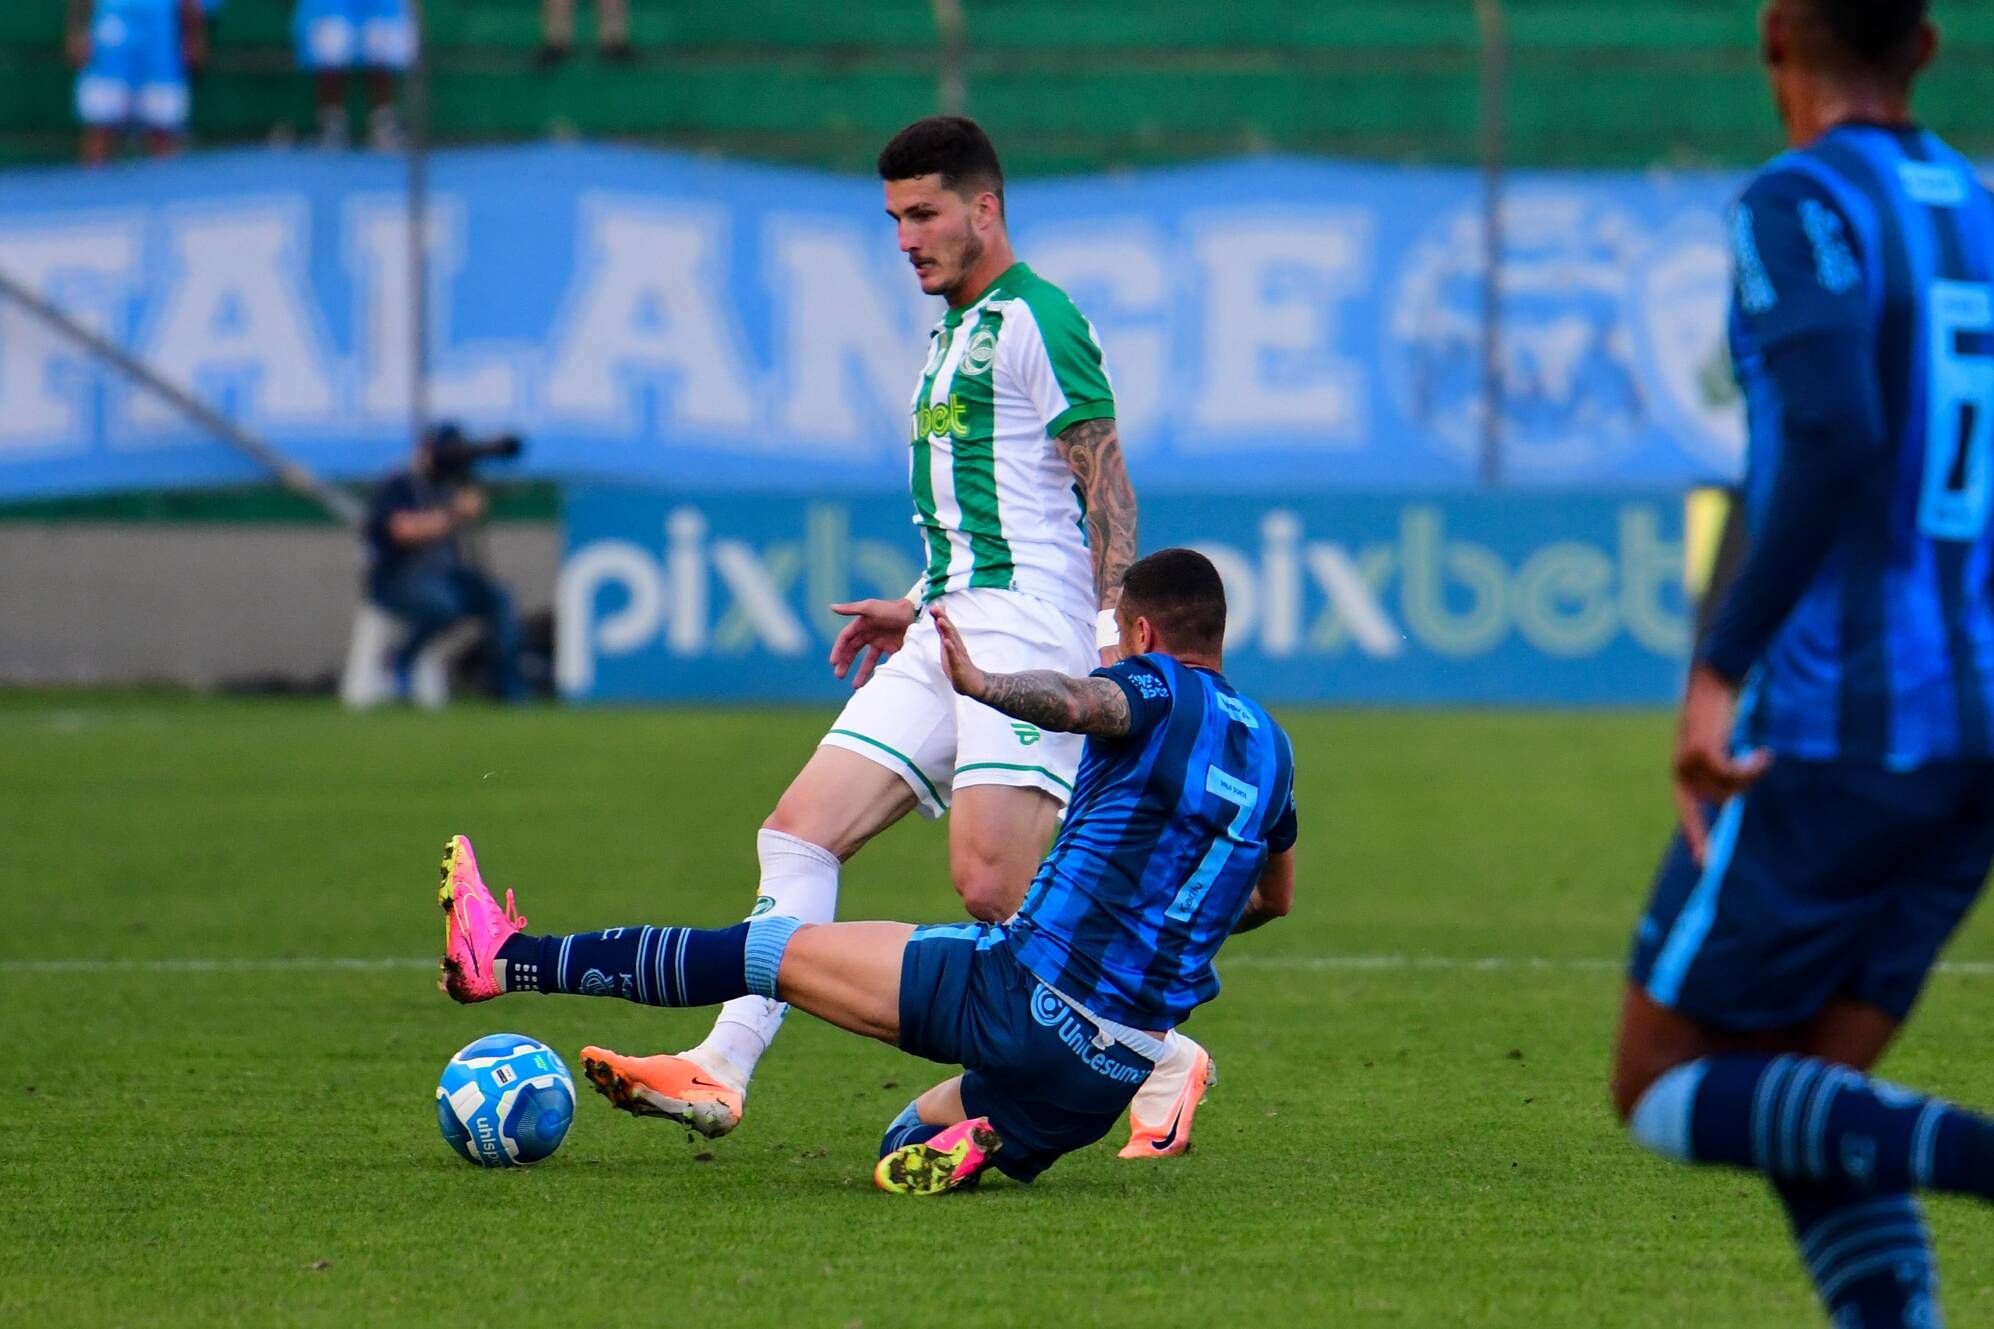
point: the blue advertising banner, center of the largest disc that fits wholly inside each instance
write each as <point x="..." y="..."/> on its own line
<point x="1442" y="597"/>
<point x="646" y="316"/>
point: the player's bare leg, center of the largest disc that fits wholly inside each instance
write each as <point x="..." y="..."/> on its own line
<point x="99" y="143"/>
<point x="847" y="974"/>
<point x="1654" y="1040"/>
<point x="997" y="837"/>
<point x="835" y="804"/>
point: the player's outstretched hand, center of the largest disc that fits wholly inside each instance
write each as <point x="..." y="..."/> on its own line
<point x="1706" y="772"/>
<point x="963" y="674"/>
<point x="876" y="630"/>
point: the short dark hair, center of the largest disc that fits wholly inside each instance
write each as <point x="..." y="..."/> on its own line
<point x="1182" y="596"/>
<point x="951" y="146"/>
<point x="1870" y="36"/>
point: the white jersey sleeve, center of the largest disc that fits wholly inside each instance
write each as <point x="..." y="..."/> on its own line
<point x="1055" y="359"/>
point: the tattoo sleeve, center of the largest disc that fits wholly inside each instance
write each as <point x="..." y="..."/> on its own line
<point x="1092" y="450"/>
<point x="1056" y="701"/>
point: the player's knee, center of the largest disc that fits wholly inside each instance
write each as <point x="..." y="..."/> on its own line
<point x="795" y="816"/>
<point x="987" y="892"/>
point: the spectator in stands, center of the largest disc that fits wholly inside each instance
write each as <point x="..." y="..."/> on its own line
<point x="418" y="567"/>
<point x="132" y="58"/>
<point x="612" y="30"/>
<point x="335" y="37"/>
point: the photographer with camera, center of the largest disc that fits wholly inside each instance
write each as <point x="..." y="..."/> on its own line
<point x="421" y="568"/>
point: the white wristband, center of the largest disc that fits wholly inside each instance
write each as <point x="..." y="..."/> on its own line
<point x="1107" y="632"/>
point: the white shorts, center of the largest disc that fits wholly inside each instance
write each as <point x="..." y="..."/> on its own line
<point x="909" y="720"/>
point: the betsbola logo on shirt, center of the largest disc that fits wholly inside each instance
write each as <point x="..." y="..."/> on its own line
<point x="980" y="353"/>
<point x="949" y="417"/>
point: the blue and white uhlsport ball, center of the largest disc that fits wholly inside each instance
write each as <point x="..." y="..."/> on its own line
<point x="505" y="1101"/>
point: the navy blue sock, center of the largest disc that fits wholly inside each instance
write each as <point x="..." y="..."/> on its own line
<point x="1869" y="1255"/>
<point x="651" y="966"/>
<point x="1801" y="1119"/>
<point x="907" y="1128"/>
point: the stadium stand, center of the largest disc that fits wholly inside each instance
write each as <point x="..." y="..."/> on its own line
<point x="1064" y="84"/>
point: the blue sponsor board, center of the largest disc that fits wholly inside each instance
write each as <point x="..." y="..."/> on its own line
<point x="650" y="317"/>
<point x="1443" y="597"/>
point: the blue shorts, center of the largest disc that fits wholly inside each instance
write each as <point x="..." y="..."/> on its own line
<point x="1827" y="879"/>
<point x="1030" y="1062"/>
<point x="135" y="74"/>
<point x="347" y="34"/>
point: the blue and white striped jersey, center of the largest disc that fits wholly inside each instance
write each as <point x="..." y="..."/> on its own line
<point x="1883" y="234"/>
<point x="1164" y="841"/>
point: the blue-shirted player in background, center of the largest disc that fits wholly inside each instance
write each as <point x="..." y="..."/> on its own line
<point x="1181" y="832"/>
<point x="335" y="37"/>
<point x="133" y="58"/>
<point x="1853" y="827"/>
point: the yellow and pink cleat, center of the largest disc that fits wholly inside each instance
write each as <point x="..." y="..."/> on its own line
<point x="672" y="1087"/>
<point x="955" y="1157"/>
<point x="476" y="929"/>
<point x="1160" y="1117"/>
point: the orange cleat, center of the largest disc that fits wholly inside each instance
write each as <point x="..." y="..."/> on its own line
<point x="1170" y="1098"/>
<point x="669" y="1087"/>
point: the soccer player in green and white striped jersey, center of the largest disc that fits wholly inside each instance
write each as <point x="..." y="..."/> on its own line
<point x="1027" y="522"/>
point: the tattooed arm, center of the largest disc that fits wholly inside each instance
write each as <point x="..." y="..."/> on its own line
<point x="1092" y="450"/>
<point x="1044" y="697"/>
<point x="1055" y="701"/>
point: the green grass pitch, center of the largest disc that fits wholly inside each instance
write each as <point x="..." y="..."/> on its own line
<point x="1402" y="1135"/>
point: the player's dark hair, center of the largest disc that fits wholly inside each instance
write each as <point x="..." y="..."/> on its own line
<point x="1869" y="36"/>
<point x="1182" y="596"/>
<point x="951" y="146"/>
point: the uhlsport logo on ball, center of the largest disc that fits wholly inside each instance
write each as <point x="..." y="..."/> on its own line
<point x="505" y="1101"/>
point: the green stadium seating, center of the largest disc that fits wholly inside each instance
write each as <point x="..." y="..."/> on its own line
<point x="1065" y="84"/>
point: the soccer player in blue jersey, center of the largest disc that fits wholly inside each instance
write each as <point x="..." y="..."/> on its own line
<point x="1181" y="832"/>
<point x="1838" y="821"/>
<point x="133" y="58"/>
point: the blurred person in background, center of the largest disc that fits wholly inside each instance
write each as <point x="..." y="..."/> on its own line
<point x="133" y="58"/>
<point x="335" y="37"/>
<point x="612" y="30"/>
<point x="421" y="566"/>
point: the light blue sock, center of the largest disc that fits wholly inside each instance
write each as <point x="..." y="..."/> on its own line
<point x="907" y="1128"/>
<point x="1797" y="1118"/>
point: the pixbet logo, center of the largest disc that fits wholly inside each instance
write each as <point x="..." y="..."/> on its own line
<point x="1430" y="589"/>
<point x="700" y="595"/>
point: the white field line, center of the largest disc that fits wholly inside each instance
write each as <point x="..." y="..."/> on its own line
<point x="1493" y="964"/>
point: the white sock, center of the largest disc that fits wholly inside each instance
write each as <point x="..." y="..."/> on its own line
<point x="1158" y="1094"/>
<point x="799" y="880"/>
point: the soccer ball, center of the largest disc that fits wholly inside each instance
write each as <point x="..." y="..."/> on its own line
<point x="505" y="1101"/>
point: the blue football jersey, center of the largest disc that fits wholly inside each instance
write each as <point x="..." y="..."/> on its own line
<point x="1889" y="234"/>
<point x="1164" y="841"/>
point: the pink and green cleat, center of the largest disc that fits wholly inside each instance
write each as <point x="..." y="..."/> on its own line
<point x="476" y="929"/>
<point x="955" y="1157"/>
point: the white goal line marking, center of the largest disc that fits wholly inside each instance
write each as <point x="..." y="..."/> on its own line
<point x="1277" y="963"/>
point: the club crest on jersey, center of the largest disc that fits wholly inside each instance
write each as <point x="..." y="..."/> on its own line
<point x="980" y="354"/>
<point x="1027" y="734"/>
